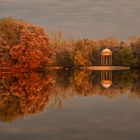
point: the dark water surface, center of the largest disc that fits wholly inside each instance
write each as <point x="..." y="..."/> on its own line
<point x="71" y="105"/>
<point x="79" y="18"/>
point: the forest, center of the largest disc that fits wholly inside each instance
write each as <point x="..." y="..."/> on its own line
<point x="26" y="46"/>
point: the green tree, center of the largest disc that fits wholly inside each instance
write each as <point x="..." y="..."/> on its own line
<point x="124" y="56"/>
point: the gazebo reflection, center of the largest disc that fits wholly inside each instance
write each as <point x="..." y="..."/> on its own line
<point x="106" y="79"/>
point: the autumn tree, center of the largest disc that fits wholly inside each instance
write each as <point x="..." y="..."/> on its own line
<point x="82" y="53"/>
<point x="135" y="44"/>
<point x="23" y="45"/>
<point x="124" y="57"/>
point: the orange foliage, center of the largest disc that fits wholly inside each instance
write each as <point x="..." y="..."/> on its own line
<point x="23" y="45"/>
<point x="22" y="94"/>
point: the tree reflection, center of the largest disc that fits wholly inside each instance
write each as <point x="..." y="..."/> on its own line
<point x="22" y="94"/>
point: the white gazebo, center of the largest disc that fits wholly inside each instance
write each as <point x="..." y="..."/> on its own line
<point x="106" y="57"/>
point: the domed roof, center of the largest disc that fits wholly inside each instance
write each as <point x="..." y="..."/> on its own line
<point x="106" y="83"/>
<point x="106" y="52"/>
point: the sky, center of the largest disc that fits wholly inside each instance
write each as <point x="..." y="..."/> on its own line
<point x="79" y="18"/>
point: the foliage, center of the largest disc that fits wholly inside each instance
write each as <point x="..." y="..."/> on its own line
<point x="124" y="56"/>
<point x="22" y="45"/>
<point x="87" y="52"/>
<point x="26" y="46"/>
<point x="135" y="44"/>
<point x="64" y="59"/>
<point x="82" y="52"/>
<point x="23" y="93"/>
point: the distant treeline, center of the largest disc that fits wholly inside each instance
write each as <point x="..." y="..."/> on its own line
<point x="87" y="52"/>
<point x="23" y="45"/>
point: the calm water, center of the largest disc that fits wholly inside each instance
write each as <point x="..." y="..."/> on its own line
<point x="70" y="105"/>
<point x="79" y="18"/>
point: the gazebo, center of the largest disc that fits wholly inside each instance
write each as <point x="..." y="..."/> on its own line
<point x="106" y="57"/>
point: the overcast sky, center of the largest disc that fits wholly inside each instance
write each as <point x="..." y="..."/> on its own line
<point x="79" y="18"/>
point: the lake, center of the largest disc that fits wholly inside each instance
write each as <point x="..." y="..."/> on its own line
<point x="73" y="105"/>
<point x="66" y="104"/>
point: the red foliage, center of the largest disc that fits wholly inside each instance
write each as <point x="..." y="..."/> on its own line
<point x="26" y="45"/>
<point x="23" y="93"/>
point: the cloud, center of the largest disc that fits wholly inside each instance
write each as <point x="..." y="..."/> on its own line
<point x="78" y="17"/>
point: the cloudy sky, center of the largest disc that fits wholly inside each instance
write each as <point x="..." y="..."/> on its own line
<point x="79" y="18"/>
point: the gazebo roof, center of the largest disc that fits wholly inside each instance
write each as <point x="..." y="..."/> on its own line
<point x="106" y="52"/>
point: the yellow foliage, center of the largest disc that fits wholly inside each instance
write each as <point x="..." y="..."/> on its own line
<point x="79" y="59"/>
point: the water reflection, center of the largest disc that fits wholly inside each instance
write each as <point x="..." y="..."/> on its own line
<point x="106" y="78"/>
<point x="22" y="94"/>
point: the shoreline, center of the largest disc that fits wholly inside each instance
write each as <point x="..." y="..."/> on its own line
<point x="92" y="68"/>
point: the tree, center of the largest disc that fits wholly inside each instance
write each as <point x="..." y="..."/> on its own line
<point x="82" y="52"/>
<point x="135" y="44"/>
<point x="123" y="56"/>
<point x="22" y="44"/>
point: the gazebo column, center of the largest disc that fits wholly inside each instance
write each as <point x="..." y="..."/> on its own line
<point x="101" y="60"/>
<point x="108" y="60"/>
<point x="105" y="59"/>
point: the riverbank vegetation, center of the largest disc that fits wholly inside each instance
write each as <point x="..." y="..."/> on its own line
<point x="87" y="52"/>
<point x="27" y="46"/>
